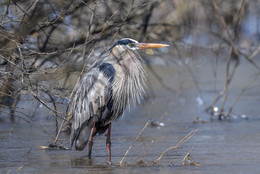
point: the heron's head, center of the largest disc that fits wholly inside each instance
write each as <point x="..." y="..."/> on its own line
<point x="132" y="44"/>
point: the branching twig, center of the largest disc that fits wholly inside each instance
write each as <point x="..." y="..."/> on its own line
<point x="188" y="160"/>
<point x="33" y="124"/>
<point x="242" y="91"/>
<point x="186" y="156"/>
<point x="232" y="54"/>
<point x="133" y="143"/>
<point x="182" y="141"/>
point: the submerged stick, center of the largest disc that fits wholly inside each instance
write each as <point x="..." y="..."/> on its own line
<point x="133" y="143"/>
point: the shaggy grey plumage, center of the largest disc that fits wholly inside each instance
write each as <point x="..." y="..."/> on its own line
<point x="114" y="82"/>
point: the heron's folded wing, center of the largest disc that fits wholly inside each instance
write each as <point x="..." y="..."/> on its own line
<point x="92" y="95"/>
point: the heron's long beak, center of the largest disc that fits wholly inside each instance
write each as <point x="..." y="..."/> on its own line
<point x="143" y="46"/>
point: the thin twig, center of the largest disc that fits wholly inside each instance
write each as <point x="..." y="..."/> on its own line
<point x="234" y="53"/>
<point x="250" y="82"/>
<point x="31" y="123"/>
<point x="186" y="156"/>
<point x="19" y="168"/>
<point x="11" y="129"/>
<point x="133" y="143"/>
<point x="147" y="149"/>
<point x="42" y="102"/>
<point x="182" y="141"/>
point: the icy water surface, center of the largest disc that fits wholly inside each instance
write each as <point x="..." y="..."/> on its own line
<point x="230" y="146"/>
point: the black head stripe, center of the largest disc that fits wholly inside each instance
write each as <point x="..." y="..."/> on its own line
<point x="124" y="41"/>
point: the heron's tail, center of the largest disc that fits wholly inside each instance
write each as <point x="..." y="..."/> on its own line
<point x="80" y="137"/>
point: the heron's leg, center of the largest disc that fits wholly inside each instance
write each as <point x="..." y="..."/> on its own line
<point x="108" y="143"/>
<point x="90" y="141"/>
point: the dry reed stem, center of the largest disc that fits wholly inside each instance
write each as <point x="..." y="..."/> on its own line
<point x="189" y="161"/>
<point x="133" y="143"/>
<point x="182" y="141"/>
<point x="163" y="116"/>
<point x="186" y="156"/>
<point x="19" y="168"/>
<point x="146" y="150"/>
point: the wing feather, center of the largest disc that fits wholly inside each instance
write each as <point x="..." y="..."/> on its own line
<point x="92" y="95"/>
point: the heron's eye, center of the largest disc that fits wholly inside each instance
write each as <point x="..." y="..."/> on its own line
<point x="131" y="45"/>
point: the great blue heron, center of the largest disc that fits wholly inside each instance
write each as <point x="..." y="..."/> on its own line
<point x="114" y="82"/>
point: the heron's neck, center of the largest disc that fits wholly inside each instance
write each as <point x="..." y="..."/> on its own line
<point x="129" y="81"/>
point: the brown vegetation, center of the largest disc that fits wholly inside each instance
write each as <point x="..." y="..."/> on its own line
<point x="45" y="46"/>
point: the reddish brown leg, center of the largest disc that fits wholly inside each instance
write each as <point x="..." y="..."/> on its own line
<point x="90" y="141"/>
<point x="108" y="143"/>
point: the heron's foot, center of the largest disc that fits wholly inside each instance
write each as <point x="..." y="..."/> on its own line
<point x="109" y="162"/>
<point x="89" y="156"/>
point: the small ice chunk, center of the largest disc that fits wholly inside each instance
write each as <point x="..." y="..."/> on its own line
<point x="244" y="116"/>
<point x="199" y="100"/>
<point x="157" y="124"/>
<point x="215" y="109"/>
